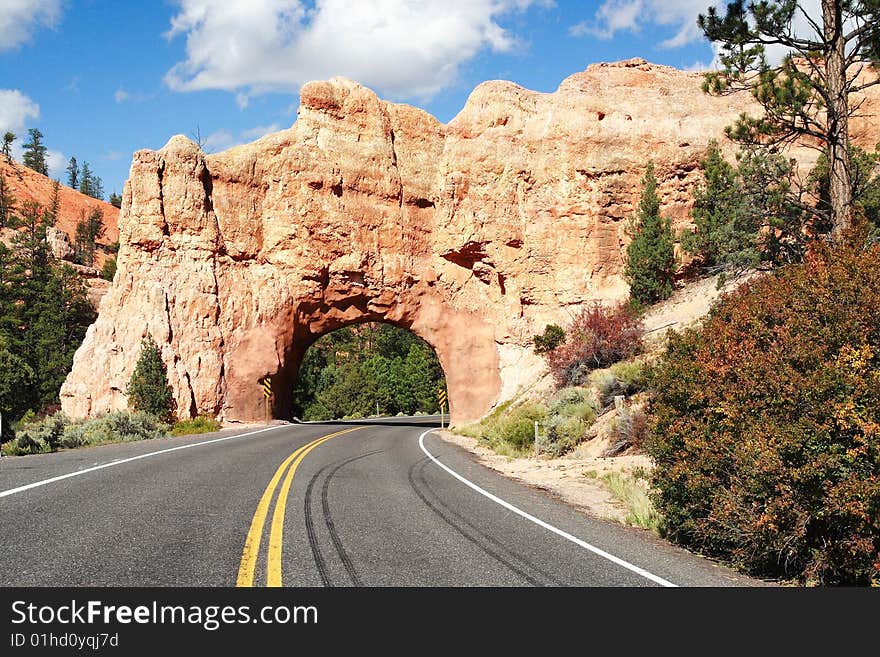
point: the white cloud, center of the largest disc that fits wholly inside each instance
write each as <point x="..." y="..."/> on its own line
<point x="123" y="96"/>
<point x="15" y="110"/>
<point x="260" y="131"/>
<point x="218" y="141"/>
<point x="615" y="16"/>
<point x="403" y="48"/>
<point x="20" y="18"/>
<point x="57" y="163"/>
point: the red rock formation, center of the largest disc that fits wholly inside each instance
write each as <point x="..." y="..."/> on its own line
<point x="474" y="234"/>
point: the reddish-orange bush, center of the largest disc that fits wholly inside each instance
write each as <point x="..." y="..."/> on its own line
<point x="765" y="424"/>
<point x="598" y="337"/>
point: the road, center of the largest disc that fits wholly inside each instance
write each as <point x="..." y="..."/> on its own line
<point x="384" y="503"/>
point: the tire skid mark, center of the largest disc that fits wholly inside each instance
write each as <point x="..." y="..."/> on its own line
<point x="473" y="534"/>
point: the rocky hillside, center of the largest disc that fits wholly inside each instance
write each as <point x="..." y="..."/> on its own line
<point x="27" y="185"/>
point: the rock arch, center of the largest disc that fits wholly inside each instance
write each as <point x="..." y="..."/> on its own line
<point x="474" y="234"/>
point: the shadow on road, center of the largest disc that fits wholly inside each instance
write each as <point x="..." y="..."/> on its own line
<point x="412" y="421"/>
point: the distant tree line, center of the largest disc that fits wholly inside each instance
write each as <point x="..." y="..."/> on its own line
<point x="79" y="177"/>
<point x="354" y="371"/>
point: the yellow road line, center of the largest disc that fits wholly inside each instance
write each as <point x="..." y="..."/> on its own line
<point x="276" y="536"/>
<point x="251" y="550"/>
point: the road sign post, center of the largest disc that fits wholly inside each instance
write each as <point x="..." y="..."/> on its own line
<point x="441" y="398"/>
<point x="267" y="394"/>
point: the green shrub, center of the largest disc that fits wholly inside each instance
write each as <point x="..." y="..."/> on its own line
<point x="516" y="428"/>
<point x="571" y="412"/>
<point x="765" y="423"/>
<point x="108" y="271"/>
<point x="57" y="431"/>
<point x="562" y="433"/>
<point x="121" y="426"/>
<point x="200" y="424"/>
<point x="631" y="375"/>
<point x="623" y="378"/>
<point x="552" y="337"/>
<point x="39" y="436"/>
<point x="148" y="389"/>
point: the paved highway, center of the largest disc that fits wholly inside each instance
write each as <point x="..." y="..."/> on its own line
<point x="334" y="504"/>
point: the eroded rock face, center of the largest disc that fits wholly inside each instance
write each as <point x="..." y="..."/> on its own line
<point x="473" y="234"/>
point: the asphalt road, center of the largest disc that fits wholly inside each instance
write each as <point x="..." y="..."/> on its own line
<point x="365" y="507"/>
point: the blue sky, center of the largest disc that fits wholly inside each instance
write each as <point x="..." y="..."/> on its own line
<point x="104" y="78"/>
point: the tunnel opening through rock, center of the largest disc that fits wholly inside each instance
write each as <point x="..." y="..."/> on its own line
<point x="364" y="369"/>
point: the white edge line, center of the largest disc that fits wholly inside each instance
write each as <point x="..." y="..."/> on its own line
<point x="36" y="484"/>
<point x="507" y="505"/>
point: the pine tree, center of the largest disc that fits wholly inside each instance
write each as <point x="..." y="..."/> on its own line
<point x="808" y="95"/>
<point x="7" y="204"/>
<point x="89" y="230"/>
<point x="97" y="188"/>
<point x="60" y="329"/>
<point x="44" y="309"/>
<point x="650" y="266"/>
<point x="35" y="152"/>
<point x="72" y="173"/>
<point x="16" y="379"/>
<point x="8" y="138"/>
<point x="148" y="389"/>
<point x="29" y="274"/>
<point x="116" y="200"/>
<point x="726" y="229"/>
<point x="86" y="180"/>
<point x="54" y="203"/>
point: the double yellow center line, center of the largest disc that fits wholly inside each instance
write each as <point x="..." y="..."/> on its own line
<point x="276" y="535"/>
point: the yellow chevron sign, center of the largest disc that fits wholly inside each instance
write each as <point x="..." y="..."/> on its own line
<point x="267" y="387"/>
<point x="441" y="397"/>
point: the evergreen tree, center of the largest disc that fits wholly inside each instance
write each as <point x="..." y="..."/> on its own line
<point x="44" y="309"/>
<point x="808" y="95"/>
<point x="72" y="173"/>
<point x="89" y="229"/>
<point x="16" y="379"/>
<point x="29" y="274"/>
<point x="86" y="180"/>
<point x="116" y="200"/>
<point x="7" y="204"/>
<point x="746" y="214"/>
<point x="650" y="266"/>
<point x="35" y="152"/>
<point x="97" y="188"/>
<point x="148" y="389"/>
<point x="54" y="204"/>
<point x="865" y="182"/>
<point x="60" y="328"/>
<point x="8" y="138"/>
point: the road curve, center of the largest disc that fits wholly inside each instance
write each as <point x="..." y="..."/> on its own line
<point x="333" y="504"/>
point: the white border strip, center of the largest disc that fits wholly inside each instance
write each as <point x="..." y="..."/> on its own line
<point x="507" y="505"/>
<point x="37" y="484"/>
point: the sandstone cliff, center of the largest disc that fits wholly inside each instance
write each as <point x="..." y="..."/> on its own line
<point x="473" y="234"/>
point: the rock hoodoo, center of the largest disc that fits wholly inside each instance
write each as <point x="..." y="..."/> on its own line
<point x="474" y="234"/>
